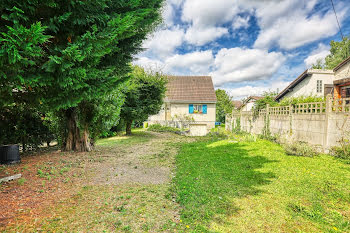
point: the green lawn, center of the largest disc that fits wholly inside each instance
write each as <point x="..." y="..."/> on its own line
<point x="231" y="186"/>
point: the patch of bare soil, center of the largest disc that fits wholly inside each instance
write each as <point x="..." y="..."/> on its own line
<point x="54" y="179"/>
<point x="147" y="163"/>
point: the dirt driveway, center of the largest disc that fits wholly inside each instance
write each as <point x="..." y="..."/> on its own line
<point x="124" y="185"/>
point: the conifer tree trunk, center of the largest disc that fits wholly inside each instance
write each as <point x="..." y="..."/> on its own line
<point x="128" y="127"/>
<point x="76" y="140"/>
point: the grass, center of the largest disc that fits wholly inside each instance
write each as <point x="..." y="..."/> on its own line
<point x="161" y="128"/>
<point x="239" y="186"/>
<point x="138" y="136"/>
<point x="111" y="209"/>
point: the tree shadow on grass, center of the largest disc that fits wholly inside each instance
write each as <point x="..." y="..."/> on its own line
<point x="209" y="175"/>
<point x="135" y="138"/>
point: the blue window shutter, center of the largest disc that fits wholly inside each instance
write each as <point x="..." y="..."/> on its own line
<point x="190" y="108"/>
<point x="205" y="109"/>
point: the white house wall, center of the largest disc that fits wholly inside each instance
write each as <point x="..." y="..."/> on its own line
<point x="308" y="86"/>
<point x="248" y="106"/>
<point x="343" y="72"/>
<point x="183" y="109"/>
<point x="158" y="117"/>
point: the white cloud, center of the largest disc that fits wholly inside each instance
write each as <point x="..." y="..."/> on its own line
<point x="237" y="64"/>
<point x="240" y="22"/>
<point x="151" y="64"/>
<point x="169" y="11"/>
<point x="201" y="36"/>
<point x="318" y="54"/>
<point x="203" y="13"/>
<point x="289" y="24"/>
<point x="195" y="63"/>
<point x="239" y="93"/>
<point x="164" y="42"/>
<point x="204" y="17"/>
<point x="198" y="63"/>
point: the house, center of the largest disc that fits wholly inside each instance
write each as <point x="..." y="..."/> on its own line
<point x="236" y="104"/>
<point x="249" y="103"/>
<point x="312" y="82"/>
<point x="342" y="79"/>
<point x="188" y="99"/>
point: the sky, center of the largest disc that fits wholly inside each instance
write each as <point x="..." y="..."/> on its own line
<point x="247" y="46"/>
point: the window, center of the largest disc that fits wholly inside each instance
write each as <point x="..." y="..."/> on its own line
<point x="319" y="86"/>
<point x="347" y="92"/>
<point x="198" y="109"/>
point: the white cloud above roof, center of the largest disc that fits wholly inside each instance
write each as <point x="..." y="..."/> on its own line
<point x="198" y="62"/>
<point x="239" y="64"/>
<point x="319" y="53"/>
<point x="163" y="42"/>
<point x="290" y="24"/>
<point x="203" y="13"/>
<point x="239" y="93"/>
<point x="201" y="36"/>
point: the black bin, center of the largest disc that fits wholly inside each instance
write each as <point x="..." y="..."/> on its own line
<point x="9" y="154"/>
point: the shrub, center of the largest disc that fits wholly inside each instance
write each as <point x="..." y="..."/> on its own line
<point x="108" y="134"/>
<point x="23" y="124"/>
<point x="342" y="151"/>
<point x="218" y="133"/>
<point x="300" y="149"/>
<point x="161" y="128"/>
<point x="249" y="138"/>
<point x="300" y="100"/>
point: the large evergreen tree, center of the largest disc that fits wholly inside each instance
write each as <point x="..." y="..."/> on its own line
<point x="65" y="54"/>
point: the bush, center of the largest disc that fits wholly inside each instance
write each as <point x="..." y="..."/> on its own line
<point x="342" y="152"/>
<point x="300" y="100"/>
<point x="249" y="138"/>
<point x="300" y="149"/>
<point x="161" y="128"/>
<point x="108" y="134"/>
<point x="218" y="133"/>
<point x="22" y="124"/>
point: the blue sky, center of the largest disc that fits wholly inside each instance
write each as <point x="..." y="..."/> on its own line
<point x="247" y="46"/>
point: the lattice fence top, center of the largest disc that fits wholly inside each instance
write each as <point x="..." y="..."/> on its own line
<point x="336" y="105"/>
<point x="341" y="105"/>
<point x="283" y="110"/>
<point x="310" y="108"/>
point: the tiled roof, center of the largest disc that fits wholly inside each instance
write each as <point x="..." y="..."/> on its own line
<point x="237" y="103"/>
<point x="198" y="89"/>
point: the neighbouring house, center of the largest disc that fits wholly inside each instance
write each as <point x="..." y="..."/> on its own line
<point x="236" y="104"/>
<point x="249" y="103"/>
<point x="312" y="82"/>
<point x="342" y="79"/>
<point x="188" y="99"/>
